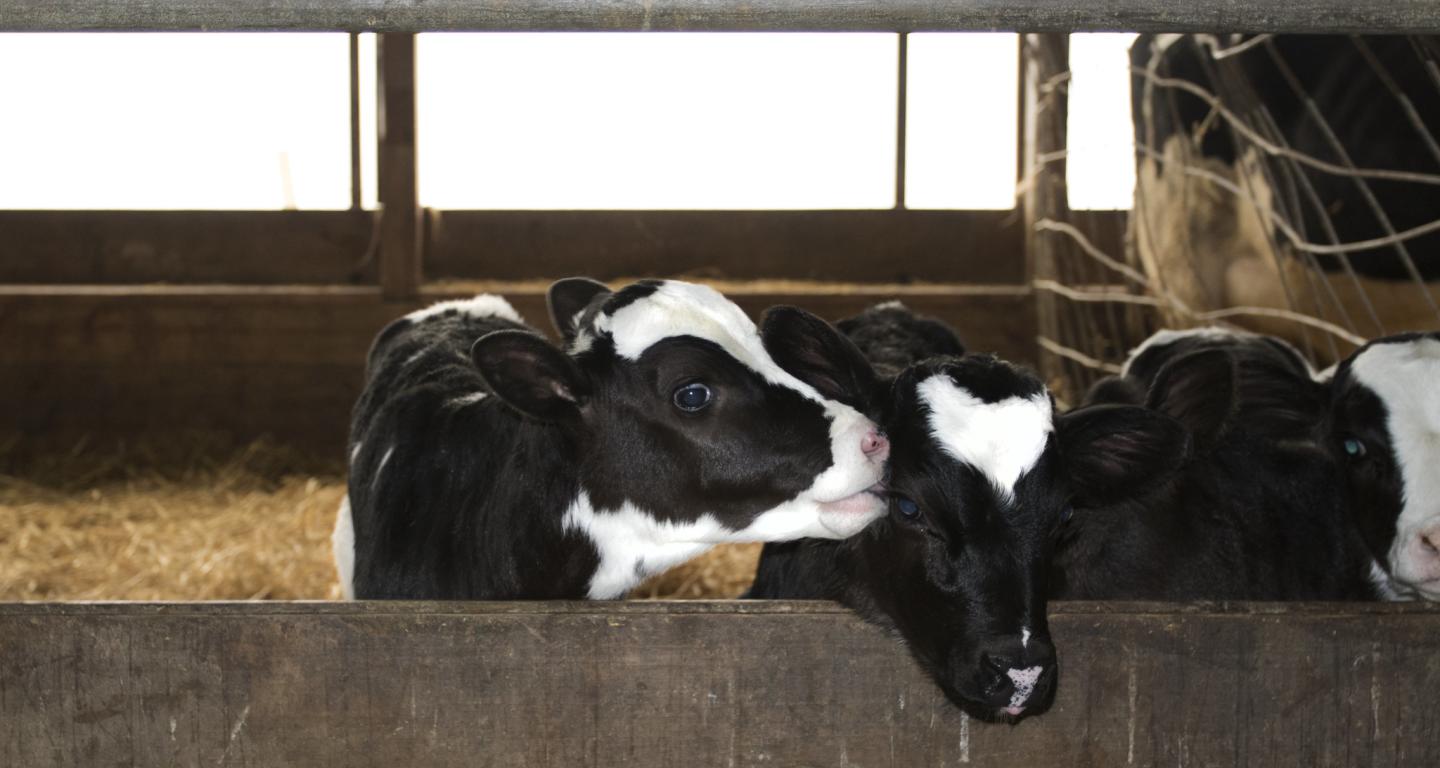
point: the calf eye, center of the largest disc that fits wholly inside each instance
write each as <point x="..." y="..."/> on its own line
<point x="1067" y="513"/>
<point x="1354" y="448"/>
<point x="693" y="397"/>
<point x="907" y="507"/>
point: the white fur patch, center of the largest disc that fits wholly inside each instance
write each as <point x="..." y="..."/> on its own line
<point x="632" y="544"/>
<point x="1213" y="333"/>
<point x="1406" y="378"/>
<point x="1003" y="440"/>
<point x="481" y="305"/>
<point x="1024" y="681"/>
<point x="1386" y="587"/>
<point x="342" y="543"/>
<point x="464" y="400"/>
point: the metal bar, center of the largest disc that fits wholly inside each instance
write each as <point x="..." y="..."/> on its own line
<point x="355" y="201"/>
<point x="1359" y="16"/>
<point x="400" y="222"/>
<point x="901" y="107"/>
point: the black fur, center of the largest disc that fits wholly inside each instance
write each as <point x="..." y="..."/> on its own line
<point x="959" y="581"/>
<point x="1256" y="511"/>
<point x="455" y="497"/>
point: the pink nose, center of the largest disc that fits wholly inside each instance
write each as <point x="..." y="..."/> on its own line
<point x="875" y="446"/>
<point x="1425" y="555"/>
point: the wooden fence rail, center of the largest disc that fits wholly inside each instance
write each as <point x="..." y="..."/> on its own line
<point x="1378" y="16"/>
<point x="697" y="684"/>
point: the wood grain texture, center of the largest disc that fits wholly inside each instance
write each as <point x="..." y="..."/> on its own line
<point x="397" y="173"/>
<point x="1377" y="16"/>
<point x="697" y="684"/>
<point x="330" y="247"/>
<point x="235" y="362"/>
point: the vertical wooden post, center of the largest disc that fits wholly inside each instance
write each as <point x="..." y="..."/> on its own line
<point x="901" y="108"/>
<point x="1044" y="58"/>
<point x="400" y="224"/>
<point x="356" y="199"/>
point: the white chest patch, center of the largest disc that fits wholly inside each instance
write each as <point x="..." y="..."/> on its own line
<point x="633" y="545"/>
<point x="1406" y="378"/>
<point x="1003" y="440"/>
<point x="1024" y="681"/>
<point x="342" y="543"/>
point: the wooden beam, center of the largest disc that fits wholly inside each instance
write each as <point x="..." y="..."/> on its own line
<point x="1375" y="16"/>
<point x="697" y="684"/>
<point x="231" y="364"/>
<point x="401" y="226"/>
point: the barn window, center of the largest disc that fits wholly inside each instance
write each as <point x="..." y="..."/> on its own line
<point x="692" y="121"/>
<point x="1100" y="173"/>
<point x="174" y="121"/>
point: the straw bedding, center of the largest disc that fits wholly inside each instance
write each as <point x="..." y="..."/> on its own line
<point x="253" y="525"/>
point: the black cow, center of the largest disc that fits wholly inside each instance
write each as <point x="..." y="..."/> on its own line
<point x="981" y="476"/>
<point x="486" y="463"/>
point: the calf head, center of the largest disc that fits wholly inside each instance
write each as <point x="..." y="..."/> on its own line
<point x="681" y="422"/>
<point x="981" y="478"/>
<point x="1385" y="428"/>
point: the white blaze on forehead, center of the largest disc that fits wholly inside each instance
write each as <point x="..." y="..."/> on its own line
<point x="688" y="309"/>
<point x="1406" y="378"/>
<point x="1003" y="439"/>
<point x="1024" y="681"/>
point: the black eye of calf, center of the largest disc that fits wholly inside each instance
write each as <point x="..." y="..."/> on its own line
<point x="693" y="397"/>
<point x="907" y="507"/>
<point x="1354" y="448"/>
<point x="1067" y="513"/>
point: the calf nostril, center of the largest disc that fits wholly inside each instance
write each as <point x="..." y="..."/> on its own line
<point x="1430" y="540"/>
<point x="873" y="443"/>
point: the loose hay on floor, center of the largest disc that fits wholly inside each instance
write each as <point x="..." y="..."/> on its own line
<point x="234" y="530"/>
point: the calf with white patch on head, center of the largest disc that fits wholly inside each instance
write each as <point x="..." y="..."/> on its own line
<point x="489" y="464"/>
<point x="978" y="485"/>
<point x="1385" y="432"/>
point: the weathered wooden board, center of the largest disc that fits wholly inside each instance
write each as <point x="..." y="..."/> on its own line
<point x="795" y="15"/>
<point x="330" y="247"/>
<point x="697" y="684"/>
<point x="238" y="363"/>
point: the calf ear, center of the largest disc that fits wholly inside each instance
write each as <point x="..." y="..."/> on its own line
<point x="1113" y="452"/>
<point x="530" y="374"/>
<point x="811" y="350"/>
<point x="1198" y="389"/>
<point x="568" y="298"/>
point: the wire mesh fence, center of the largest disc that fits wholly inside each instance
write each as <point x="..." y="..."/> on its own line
<point x="1285" y="184"/>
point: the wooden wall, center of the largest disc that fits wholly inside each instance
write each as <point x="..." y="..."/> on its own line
<point x="698" y="684"/>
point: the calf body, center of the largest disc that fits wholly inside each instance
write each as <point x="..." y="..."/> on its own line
<point x="488" y="464"/>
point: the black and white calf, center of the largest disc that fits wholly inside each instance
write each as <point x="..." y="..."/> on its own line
<point x="978" y="486"/>
<point x="1385" y="429"/>
<point x="1254" y="509"/>
<point x="486" y="463"/>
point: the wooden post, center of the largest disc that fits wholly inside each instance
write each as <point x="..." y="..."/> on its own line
<point x="400" y="222"/>
<point x="1044" y="57"/>
<point x="902" y="107"/>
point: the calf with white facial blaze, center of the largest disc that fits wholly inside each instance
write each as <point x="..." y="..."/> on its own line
<point x="1386" y="430"/>
<point x="487" y="463"/>
<point x="978" y="485"/>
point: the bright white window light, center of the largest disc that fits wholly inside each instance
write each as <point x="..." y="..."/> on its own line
<point x="174" y="121"/>
<point x="1100" y="172"/>
<point x="961" y="131"/>
<point x="663" y="121"/>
